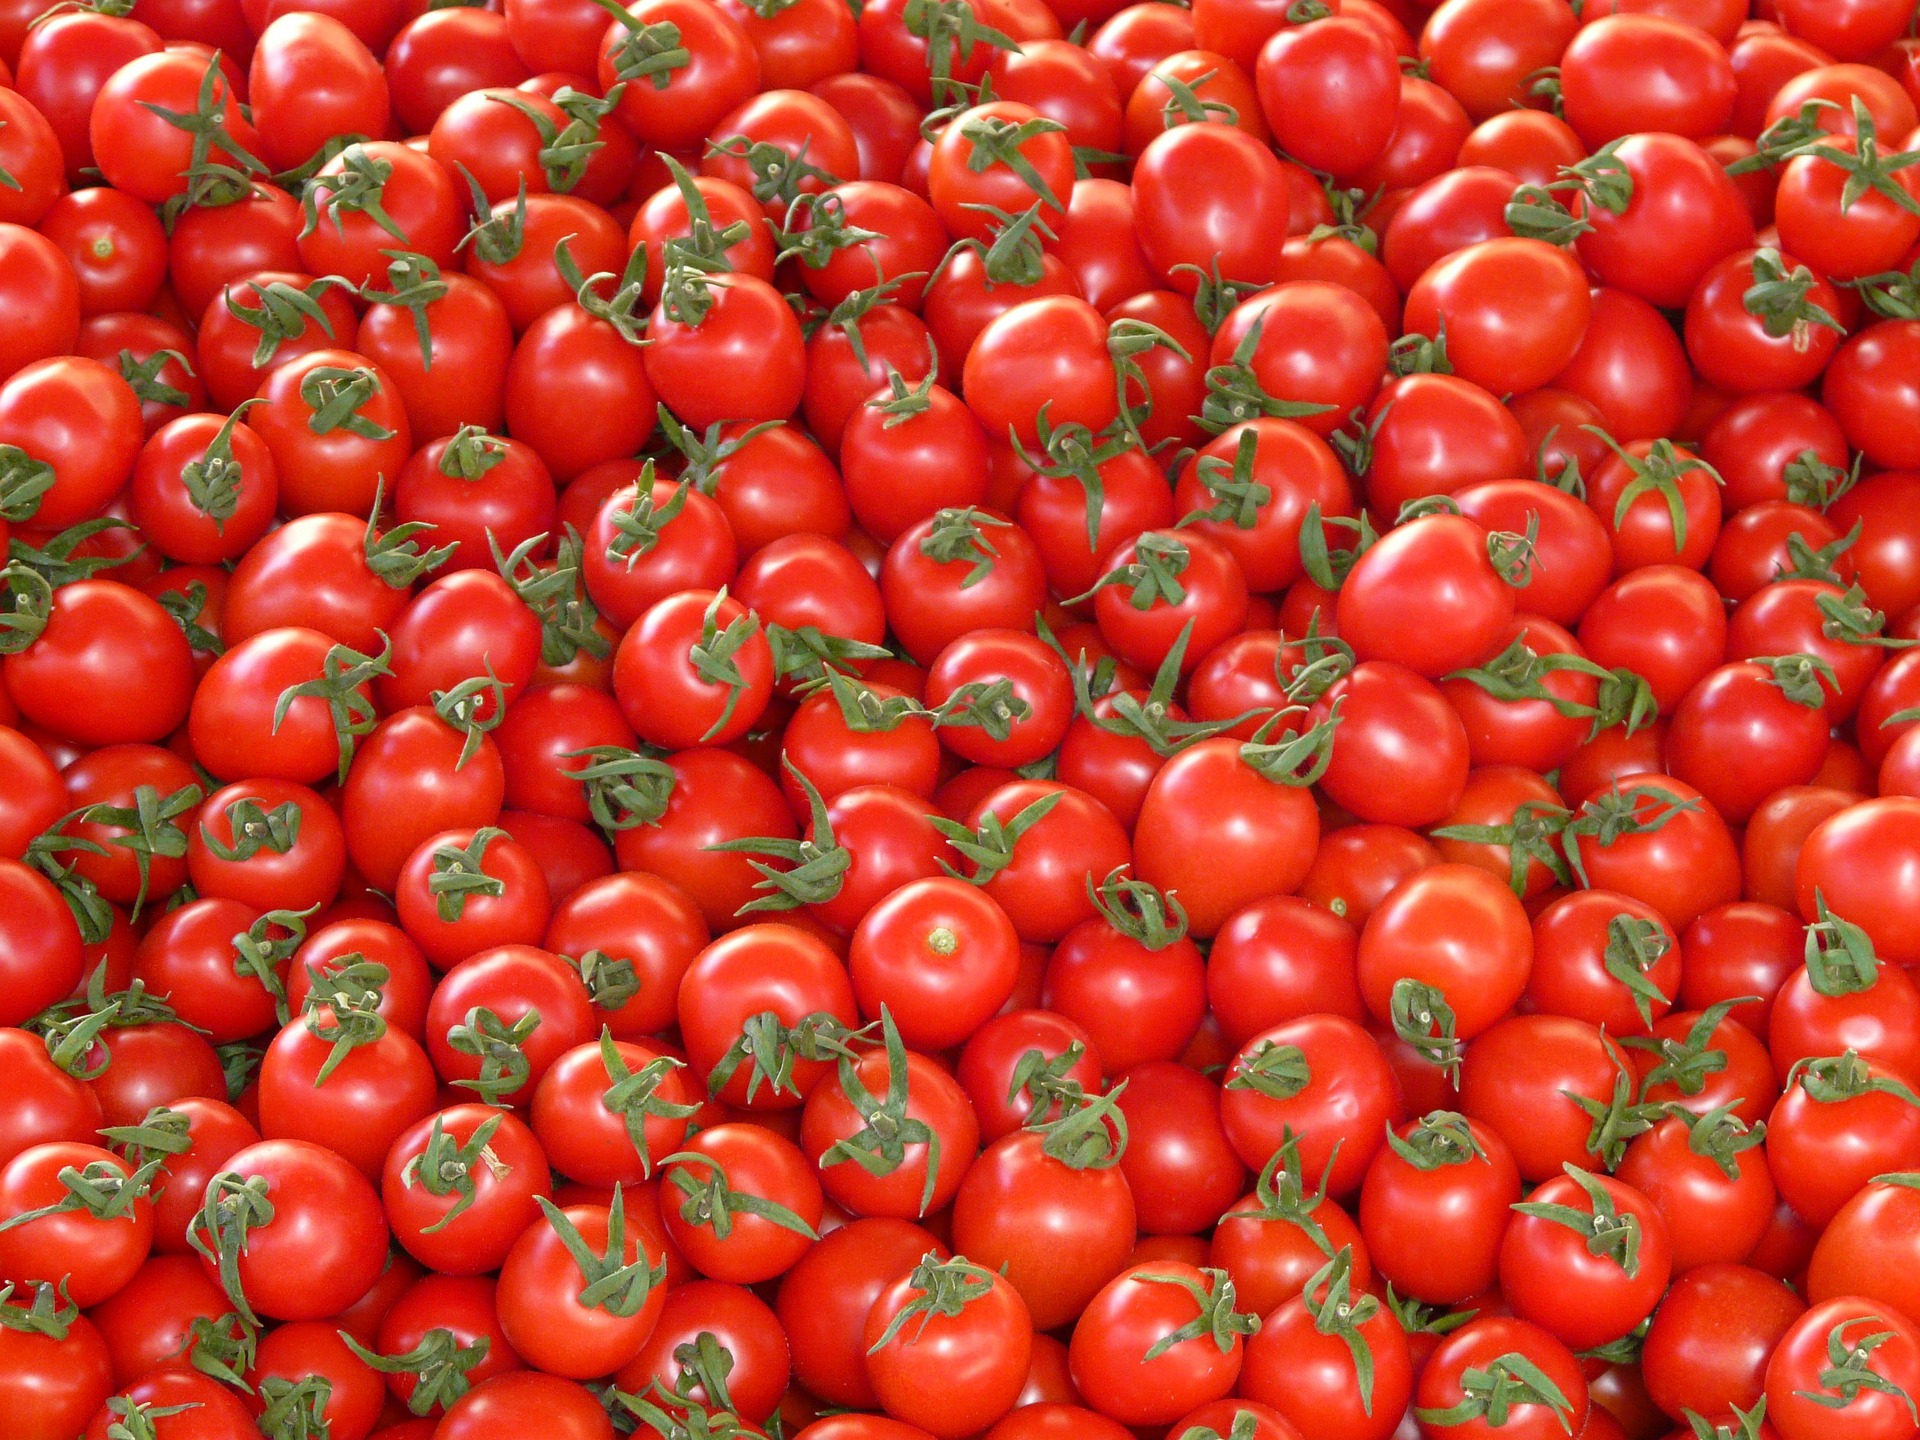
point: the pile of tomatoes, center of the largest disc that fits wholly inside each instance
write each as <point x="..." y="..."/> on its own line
<point x="959" y="720"/>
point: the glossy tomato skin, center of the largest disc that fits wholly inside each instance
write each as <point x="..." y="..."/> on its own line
<point x="323" y="1207"/>
<point x="1339" y="1114"/>
<point x="1131" y="1314"/>
<point x="1855" y="861"/>
<point x="1208" y="803"/>
<point x="1794" y="1393"/>
<point x="1483" y="1341"/>
<point x="1444" y="560"/>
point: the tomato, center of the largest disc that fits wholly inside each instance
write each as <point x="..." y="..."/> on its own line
<point x="1444" y="1165"/>
<point x="1540" y="1387"/>
<point x="1217" y="799"/>
<point x="1822" y="1359"/>
<point x="540" y="1293"/>
<point x="940" y="955"/>
<point x="1643" y="827"/>
<point x="1869" y="388"/>
<point x="58" y="1370"/>
<point x="1466" y="601"/>
<point x="1518" y="348"/>
<point x="1841" y="1122"/>
<point x="1689" y="90"/>
<point x="173" y="1404"/>
<point x="1230" y="226"/>
<point x="1322" y="1079"/>
<point x="521" y="1398"/>
<point x="1854" y="862"/>
<point x="417" y="197"/>
<point x="1329" y="90"/>
<point x="1707" y="1348"/>
<point x="1306" y="1361"/>
<point x="43" y="945"/>
<point x="282" y="1199"/>
<point x="89" y="1238"/>
<point x="502" y="1016"/>
<point x="1179" y="1163"/>
<point x="948" y="1346"/>
<point x="1485" y="51"/>
<point x="1138" y="1352"/>
<point x="1443" y="928"/>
